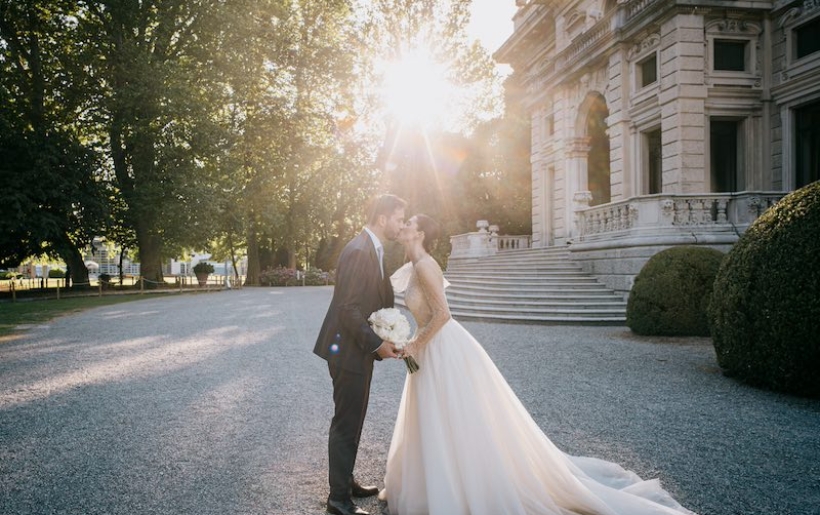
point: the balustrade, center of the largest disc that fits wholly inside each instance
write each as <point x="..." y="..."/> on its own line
<point x="484" y="243"/>
<point x="636" y="7"/>
<point x="709" y="211"/>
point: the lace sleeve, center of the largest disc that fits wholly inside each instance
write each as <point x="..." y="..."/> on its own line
<point x="430" y="279"/>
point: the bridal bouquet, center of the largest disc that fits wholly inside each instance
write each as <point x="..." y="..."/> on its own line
<point x="391" y="325"/>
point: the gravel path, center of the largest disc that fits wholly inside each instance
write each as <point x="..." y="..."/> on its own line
<point x="214" y="404"/>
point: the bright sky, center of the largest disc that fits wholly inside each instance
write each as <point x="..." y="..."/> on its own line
<point x="491" y="22"/>
<point x="416" y="89"/>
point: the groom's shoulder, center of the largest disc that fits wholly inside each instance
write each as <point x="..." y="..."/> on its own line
<point x="354" y="246"/>
<point x="358" y="242"/>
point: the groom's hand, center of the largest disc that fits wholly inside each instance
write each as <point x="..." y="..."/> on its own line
<point x="387" y="350"/>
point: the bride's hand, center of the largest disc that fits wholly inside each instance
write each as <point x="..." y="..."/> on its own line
<point x="410" y="349"/>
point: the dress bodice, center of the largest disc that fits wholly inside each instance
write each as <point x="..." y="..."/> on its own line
<point x="416" y="302"/>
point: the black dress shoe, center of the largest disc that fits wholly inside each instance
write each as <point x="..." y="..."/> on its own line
<point x="345" y="507"/>
<point x="357" y="490"/>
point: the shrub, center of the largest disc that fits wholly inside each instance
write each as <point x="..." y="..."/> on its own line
<point x="56" y="273"/>
<point x="672" y="291"/>
<point x="279" y="276"/>
<point x="316" y="277"/>
<point x="765" y="311"/>
<point x="203" y="268"/>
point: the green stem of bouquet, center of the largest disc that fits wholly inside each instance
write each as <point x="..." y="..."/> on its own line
<point x="412" y="365"/>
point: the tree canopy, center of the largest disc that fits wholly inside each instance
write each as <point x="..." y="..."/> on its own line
<point x="252" y="128"/>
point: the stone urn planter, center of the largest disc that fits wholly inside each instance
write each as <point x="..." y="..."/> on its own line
<point x="202" y="271"/>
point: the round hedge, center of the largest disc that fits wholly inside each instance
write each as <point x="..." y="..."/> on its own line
<point x="671" y="292"/>
<point x="765" y="311"/>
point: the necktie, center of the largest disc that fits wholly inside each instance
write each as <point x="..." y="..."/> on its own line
<point x="380" y="254"/>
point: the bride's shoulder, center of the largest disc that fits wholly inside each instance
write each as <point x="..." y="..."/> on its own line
<point x="427" y="266"/>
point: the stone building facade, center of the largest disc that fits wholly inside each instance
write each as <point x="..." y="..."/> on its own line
<point x="664" y="122"/>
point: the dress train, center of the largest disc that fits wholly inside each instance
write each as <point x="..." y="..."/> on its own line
<point x="464" y="444"/>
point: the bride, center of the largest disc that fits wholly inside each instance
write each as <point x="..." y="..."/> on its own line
<point x="465" y="445"/>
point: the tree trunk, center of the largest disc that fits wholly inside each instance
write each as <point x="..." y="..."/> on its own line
<point x="150" y="253"/>
<point x="233" y="259"/>
<point x="252" y="279"/>
<point x="70" y="254"/>
<point x="119" y="266"/>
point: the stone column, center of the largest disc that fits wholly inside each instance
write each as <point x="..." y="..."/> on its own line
<point x="578" y="195"/>
<point x="683" y="95"/>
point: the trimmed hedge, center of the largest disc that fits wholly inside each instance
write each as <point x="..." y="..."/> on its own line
<point x="672" y="291"/>
<point x="765" y="312"/>
<point x="281" y="276"/>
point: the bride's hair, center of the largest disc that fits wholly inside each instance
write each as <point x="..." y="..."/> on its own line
<point x="431" y="230"/>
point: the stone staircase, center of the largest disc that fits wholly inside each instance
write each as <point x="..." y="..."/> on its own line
<point x="530" y="285"/>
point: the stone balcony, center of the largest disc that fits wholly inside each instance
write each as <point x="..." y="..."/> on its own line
<point x="677" y="218"/>
<point x="612" y="242"/>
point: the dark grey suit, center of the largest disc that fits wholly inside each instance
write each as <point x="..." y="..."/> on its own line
<point x="349" y="345"/>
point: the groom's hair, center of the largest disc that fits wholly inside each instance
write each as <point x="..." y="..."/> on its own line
<point x="385" y="205"/>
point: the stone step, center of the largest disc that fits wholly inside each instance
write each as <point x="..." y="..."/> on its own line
<point x="562" y="297"/>
<point x="530" y="285"/>
<point x="536" y="306"/>
<point x="516" y="267"/>
<point x="496" y="260"/>
<point x="523" y="280"/>
<point x="553" y="290"/>
<point x="529" y="318"/>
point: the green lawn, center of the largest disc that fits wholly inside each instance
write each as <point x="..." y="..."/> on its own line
<point x="13" y="314"/>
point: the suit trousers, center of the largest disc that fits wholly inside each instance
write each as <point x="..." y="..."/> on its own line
<point x="351" y="393"/>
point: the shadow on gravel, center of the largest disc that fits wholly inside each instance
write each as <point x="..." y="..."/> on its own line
<point x="215" y="404"/>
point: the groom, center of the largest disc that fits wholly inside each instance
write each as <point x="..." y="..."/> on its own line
<point x="350" y="346"/>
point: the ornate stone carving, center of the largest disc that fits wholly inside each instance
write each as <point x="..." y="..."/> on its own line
<point x="788" y="16"/>
<point x="577" y="147"/>
<point x="734" y="26"/>
<point x="582" y="198"/>
<point x="633" y="212"/>
<point x="667" y="207"/>
<point x="645" y="45"/>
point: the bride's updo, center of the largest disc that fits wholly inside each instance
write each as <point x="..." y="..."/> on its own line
<point x="431" y="230"/>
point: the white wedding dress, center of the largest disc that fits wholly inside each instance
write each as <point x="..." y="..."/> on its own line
<point x="465" y="445"/>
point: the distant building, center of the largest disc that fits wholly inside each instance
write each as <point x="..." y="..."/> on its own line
<point x="664" y="122"/>
<point x="103" y="258"/>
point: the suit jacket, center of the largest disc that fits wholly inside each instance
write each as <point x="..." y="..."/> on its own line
<point x="346" y="339"/>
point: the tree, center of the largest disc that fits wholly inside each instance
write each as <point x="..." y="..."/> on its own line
<point x="53" y="199"/>
<point x="288" y="70"/>
<point x="150" y="61"/>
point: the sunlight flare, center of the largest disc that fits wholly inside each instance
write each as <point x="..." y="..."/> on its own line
<point x="416" y="89"/>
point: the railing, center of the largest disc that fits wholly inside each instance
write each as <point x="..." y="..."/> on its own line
<point x="39" y="288"/>
<point x="705" y="213"/>
<point x="484" y="243"/>
<point x="512" y="242"/>
<point x="636" y="7"/>
<point x="582" y="43"/>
